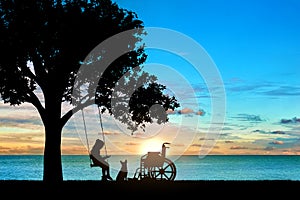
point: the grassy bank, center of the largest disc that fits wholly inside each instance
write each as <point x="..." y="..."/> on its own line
<point x="144" y="189"/>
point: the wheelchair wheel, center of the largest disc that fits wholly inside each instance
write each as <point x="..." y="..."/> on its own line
<point x="165" y="172"/>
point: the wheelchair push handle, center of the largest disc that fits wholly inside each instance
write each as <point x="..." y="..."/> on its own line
<point x="164" y="147"/>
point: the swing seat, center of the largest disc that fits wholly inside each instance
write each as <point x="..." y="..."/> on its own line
<point x="96" y="163"/>
<point x="93" y="161"/>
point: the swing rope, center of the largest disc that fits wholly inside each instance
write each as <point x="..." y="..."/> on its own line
<point x="101" y="124"/>
<point x="85" y="131"/>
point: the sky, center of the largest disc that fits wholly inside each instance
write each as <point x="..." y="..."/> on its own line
<point x="254" y="50"/>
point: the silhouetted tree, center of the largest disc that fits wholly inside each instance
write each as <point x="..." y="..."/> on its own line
<point x="56" y="37"/>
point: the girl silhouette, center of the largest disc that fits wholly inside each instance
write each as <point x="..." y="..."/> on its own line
<point x="100" y="160"/>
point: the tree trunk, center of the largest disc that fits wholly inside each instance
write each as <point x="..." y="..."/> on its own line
<point x="52" y="154"/>
<point x="53" y="132"/>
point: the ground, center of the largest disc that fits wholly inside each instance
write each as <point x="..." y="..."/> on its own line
<point x="150" y="190"/>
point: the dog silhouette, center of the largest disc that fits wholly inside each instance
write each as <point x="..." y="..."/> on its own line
<point x="122" y="174"/>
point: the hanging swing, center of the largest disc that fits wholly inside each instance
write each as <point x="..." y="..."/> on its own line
<point x="93" y="161"/>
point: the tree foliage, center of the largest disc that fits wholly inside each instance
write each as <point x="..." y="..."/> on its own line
<point x="56" y="37"/>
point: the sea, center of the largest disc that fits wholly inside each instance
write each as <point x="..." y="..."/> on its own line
<point x="211" y="167"/>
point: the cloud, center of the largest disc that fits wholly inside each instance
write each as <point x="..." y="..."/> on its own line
<point x="230" y="136"/>
<point x="109" y="133"/>
<point x="204" y="138"/>
<point x="294" y="120"/>
<point x="295" y="130"/>
<point x="27" y="149"/>
<point x="205" y="146"/>
<point x="259" y="131"/>
<point x="277" y="142"/>
<point x="238" y="85"/>
<point x="238" y="147"/>
<point x="242" y="88"/>
<point x="269" y="132"/>
<point x="291" y="152"/>
<point x="21" y="122"/>
<point x="269" y="148"/>
<point x="268" y="89"/>
<point x="24" y="106"/>
<point x="277" y="132"/>
<point x="171" y="112"/>
<point x="248" y="117"/>
<point x="200" y="112"/>
<point x="3" y="148"/>
<point x="36" y="138"/>
<point x="16" y="120"/>
<point x="186" y="111"/>
<point x="283" y="91"/>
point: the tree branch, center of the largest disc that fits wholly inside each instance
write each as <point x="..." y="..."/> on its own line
<point x="38" y="69"/>
<point x="31" y="75"/>
<point x="74" y="110"/>
<point x="34" y="100"/>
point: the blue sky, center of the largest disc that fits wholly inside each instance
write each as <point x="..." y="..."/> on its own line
<point x="255" y="46"/>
